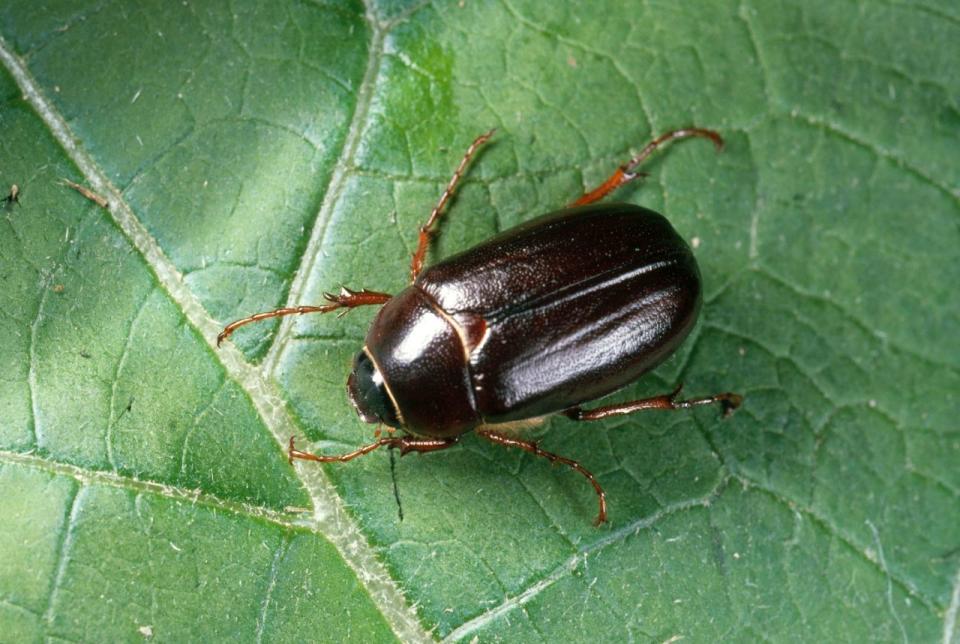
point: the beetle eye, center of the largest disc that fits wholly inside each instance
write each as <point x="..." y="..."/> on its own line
<point x="368" y="394"/>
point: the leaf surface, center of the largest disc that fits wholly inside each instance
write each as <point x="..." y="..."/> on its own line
<point x="256" y="155"/>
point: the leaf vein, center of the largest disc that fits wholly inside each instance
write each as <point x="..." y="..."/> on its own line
<point x="113" y="417"/>
<point x="64" y="554"/>
<point x="838" y="130"/>
<point x="883" y="566"/>
<point x="32" y="373"/>
<point x="112" y="479"/>
<point x="278" y="557"/>
<point x="849" y="541"/>
<point x="313" y="252"/>
<point x="570" y="565"/>
<point x="950" y="634"/>
<point x="878" y="336"/>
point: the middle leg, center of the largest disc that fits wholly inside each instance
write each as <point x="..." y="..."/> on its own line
<point x="533" y="448"/>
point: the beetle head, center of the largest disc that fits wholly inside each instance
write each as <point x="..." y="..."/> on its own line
<point x="368" y="393"/>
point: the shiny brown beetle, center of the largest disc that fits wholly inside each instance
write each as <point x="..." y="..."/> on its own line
<point x="538" y="320"/>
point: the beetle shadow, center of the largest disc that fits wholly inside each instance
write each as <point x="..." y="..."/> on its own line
<point x="396" y="485"/>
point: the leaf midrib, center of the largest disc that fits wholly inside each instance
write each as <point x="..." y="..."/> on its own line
<point x="329" y="519"/>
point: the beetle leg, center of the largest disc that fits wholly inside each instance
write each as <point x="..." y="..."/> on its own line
<point x="627" y="172"/>
<point x="533" y="448"/>
<point x="728" y="401"/>
<point x="345" y="299"/>
<point x="405" y="444"/>
<point x="426" y="230"/>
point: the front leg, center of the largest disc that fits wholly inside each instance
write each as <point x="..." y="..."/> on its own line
<point x="405" y="444"/>
<point x="345" y="299"/>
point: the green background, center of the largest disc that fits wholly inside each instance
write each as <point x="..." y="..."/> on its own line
<point x="257" y="154"/>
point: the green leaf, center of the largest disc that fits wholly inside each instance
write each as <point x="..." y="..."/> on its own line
<point x="255" y="155"/>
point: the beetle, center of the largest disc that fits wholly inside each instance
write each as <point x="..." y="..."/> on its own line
<point x="536" y="321"/>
